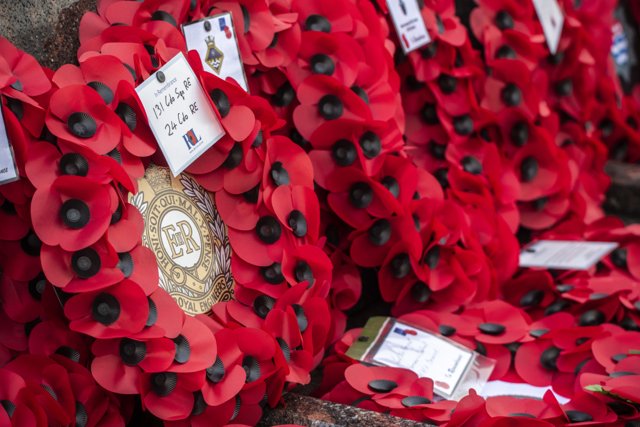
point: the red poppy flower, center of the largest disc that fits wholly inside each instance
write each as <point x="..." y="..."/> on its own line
<point x="264" y="242"/>
<point x="294" y="362"/>
<point x="342" y="142"/>
<point x="168" y="395"/>
<point x="226" y="376"/>
<point x="392" y="388"/>
<point x="103" y="408"/>
<point x="126" y="227"/>
<point x="310" y="309"/>
<point x="323" y="98"/>
<point x="498" y="322"/>
<point x="79" y="115"/>
<point x="51" y="337"/>
<point x="20" y="301"/>
<point x="170" y="11"/>
<point x="504" y="15"/>
<point x="285" y="43"/>
<point x="73" y="213"/>
<point x="508" y="406"/>
<point x="514" y="46"/>
<point x="195" y="347"/>
<point x="371" y="244"/>
<point x="14" y="220"/>
<point x="137" y="138"/>
<point x="165" y="317"/>
<point x="47" y="162"/>
<point x="533" y="290"/>
<point x="48" y="383"/>
<point x="21" y="408"/>
<point x="346" y="283"/>
<point x="307" y="264"/>
<point x="332" y="54"/>
<point x="117" y="311"/>
<point x="356" y="198"/>
<point x="20" y="259"/>
<point x="14" y="335"/>
<point x="101" y="73"/>
<point x="87" y="269"/>
<point x="586" y="408"/>
<point x="119" y="364"/>
<point x="327" y="17"/>
<point x="509" y="87"/>
<point x="297" y="208"/>
<point x="20" y="73"/>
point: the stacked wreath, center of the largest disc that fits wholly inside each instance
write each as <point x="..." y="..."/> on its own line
<point x="346" y="156"/>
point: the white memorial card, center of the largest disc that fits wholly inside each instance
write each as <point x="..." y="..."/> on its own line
<point x="454" y="369"/>
<point x="214" y="38"/>
<point x="180" y="114"/>
<point x="552" y="20"/>
<point x="564" y="254"/>
<point x="425" y="354"/>
<point x="8" y="169"/>
<point x="409" y="24"/>
<point x="503" y="388"/>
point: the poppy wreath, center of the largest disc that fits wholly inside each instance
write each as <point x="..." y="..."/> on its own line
<point x="422" y="173"/>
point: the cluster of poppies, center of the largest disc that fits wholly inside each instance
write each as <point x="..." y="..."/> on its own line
<point x="346" y="157"/>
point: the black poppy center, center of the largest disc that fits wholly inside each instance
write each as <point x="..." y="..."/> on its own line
<point x="360" y="195"/>
<point x="273" y="273"/>
<point x="380" y="232"/>
<point x="105" y="309"/>
<point x="317" y="23"/>
<point x="221" y="101"/>
<point x="73" y="164"/>
<point x="164" y="383"/>
<point x="82" y="125"/>
<point x="322" y="64"/>
<point x="344" y="152"/>
<point x="330" y="107"/>
<point x="132" y="352"/>
<point x="86" y="263"/>
<point x="268" y="229"/>
<point x="370" y="144"/>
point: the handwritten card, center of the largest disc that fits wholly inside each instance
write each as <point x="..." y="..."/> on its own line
<point x="215" y="40"/>
<point x="409" y="24"/>
<point x="179" y="112"/>
<point x="454" y="369"/>
<point x="8" y="169"/>
<point x="565" y="255"/>
<point x="425" y="354"/>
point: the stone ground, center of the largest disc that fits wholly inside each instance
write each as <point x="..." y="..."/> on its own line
<point x="47" y="29"/>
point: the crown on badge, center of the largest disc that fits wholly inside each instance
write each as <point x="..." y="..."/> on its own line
<point x="210" y="41"/>
<point x="158" y="178"/>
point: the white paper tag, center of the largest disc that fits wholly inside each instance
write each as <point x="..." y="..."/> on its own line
<point x="8" y="169"/>
<point x="180" y="115"/>
<point x="552" y="20"/>
<point x="565" y="255"/>
<point x="409" y="24"/>
<point x="425" y="354"/>
<point x="503" y="388"/>
<point x="215" y="40"/>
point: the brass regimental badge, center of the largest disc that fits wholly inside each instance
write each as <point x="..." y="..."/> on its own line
<point x="184" y="230"/>
<point x="214" y="56"/>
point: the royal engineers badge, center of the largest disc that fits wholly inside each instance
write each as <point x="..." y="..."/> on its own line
<point x="185" y="232"/>
<point x="214" y="56"/>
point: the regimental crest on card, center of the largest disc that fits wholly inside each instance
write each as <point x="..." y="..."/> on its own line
<point x="214" y="56"/>
<point x="187" y="235"/>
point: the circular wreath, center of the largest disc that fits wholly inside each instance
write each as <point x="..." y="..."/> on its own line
<point x="350" y="169"/>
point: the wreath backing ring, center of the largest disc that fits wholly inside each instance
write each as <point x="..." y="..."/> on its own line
<point x="223" y="368"/>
